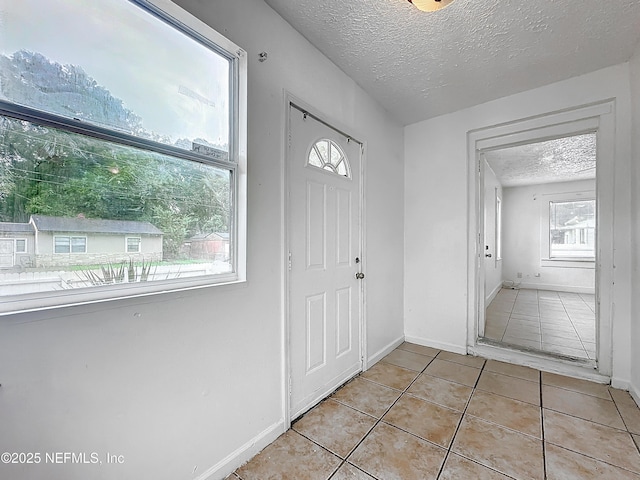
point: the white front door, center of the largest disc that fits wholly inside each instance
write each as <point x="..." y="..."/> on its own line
<point x="325" y="258"/>
<point x="6" y="253"/>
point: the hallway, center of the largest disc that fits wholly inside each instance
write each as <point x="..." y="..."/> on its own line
<point x="423" y="413"/>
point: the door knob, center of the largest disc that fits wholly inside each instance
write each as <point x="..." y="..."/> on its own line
<point x="359" y="275"/>
<point x="488" y="255"/>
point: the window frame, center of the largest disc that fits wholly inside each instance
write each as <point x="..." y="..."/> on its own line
<point x="176" y="17"/>
<point x="71" y="238"/>
<point x="15" y="245"/>
<point x="126" y="244"/>
<point x="328" y="166"/>
<point x="581" y="233"/>
<point x="546" y="260"/>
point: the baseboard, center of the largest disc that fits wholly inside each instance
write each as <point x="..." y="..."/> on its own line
<point x="557" y="288"/>
<point x="493" y="294"/>
<point x="383" y="352"/>
<point x="243" y="454"/>
<point x="625" y="385"/>
<point x="449" y="347"/>
<point x="620" y="384"/>
<point x="635" y="394"/>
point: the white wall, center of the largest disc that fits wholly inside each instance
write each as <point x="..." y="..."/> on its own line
<point x="523" y="235"/>
<point x="492" y="265"/>
<point x="635" y="331"/>
<point x="181" y="383"/>
<point x="436" y="208"/>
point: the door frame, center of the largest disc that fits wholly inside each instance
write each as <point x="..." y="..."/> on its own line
<point x="13" y="252"/>
<point x="599" y="118"/>
<point x="291" y="101"/>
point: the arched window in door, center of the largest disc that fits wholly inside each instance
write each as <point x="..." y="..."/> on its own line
<point x="328" y="155"/>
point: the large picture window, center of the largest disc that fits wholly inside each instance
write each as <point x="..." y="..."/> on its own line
<point x="126" y="128"/>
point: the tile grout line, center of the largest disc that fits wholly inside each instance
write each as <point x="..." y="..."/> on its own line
<point x="510" y="313"/>
<point x="405" y="391"/>
<point x="379" y="420"/>
<point x="464" y="412"/>
<point x="623" y="421"/>
<point x="564" y="447"/>
<point x="342" y="461"/>
<point x="573" y="325"/>
<point x="541" y="348"/>
<point x="474" y="389"/>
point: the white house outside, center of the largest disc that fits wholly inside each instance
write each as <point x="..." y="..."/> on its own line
<point x="17" y="245"/>
<point x="46" y="242"/>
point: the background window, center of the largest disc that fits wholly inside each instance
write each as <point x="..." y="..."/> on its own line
<point x="21" y="245"/>
<point x="572" y="229"/>
<point x="133" y="244"/>
<point x="70" y="244"/>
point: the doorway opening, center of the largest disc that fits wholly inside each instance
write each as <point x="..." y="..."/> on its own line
<point x="541" y="241"/>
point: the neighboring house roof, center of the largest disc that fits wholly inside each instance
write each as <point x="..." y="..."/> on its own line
<point x="93" y="225"/>
<point x="202" y="237"/>
<point x="7" y="227"/>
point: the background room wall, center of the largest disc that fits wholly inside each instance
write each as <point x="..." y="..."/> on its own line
<point x="190" y="385"/>
<point x="436" y="208"/>
<point x="493" y="265"/>
<point x="523" y="235"/>
<point x="635" y="162"/>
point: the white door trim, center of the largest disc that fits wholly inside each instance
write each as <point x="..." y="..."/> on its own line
<point x="598" y="117"/>
<point x="290" y="100"/>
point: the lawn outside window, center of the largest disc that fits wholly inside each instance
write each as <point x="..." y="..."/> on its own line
<point x="123" y="172"/>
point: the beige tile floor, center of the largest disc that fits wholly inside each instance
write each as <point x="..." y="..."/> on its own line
<point x="556" y="322"/>
<point x="425" y="414"/>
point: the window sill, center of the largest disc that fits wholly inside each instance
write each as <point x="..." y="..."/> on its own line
<point x="566" y="263"/>
<point x="61" y="299"/>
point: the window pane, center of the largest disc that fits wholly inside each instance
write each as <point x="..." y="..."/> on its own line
<point x="572" y="229"/>
<point x="21" y="246"/>
<point x="78" y="244"/>
<point x="91" y="197"/>
<point x="133" y="244"/>
<point x="327" y="155"/>
<point x="114" y="77"/>
<point x="62" y="245"/>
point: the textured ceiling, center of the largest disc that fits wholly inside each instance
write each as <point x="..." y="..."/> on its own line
<point x="422" y="64"/>
<point x="560" y="160"/>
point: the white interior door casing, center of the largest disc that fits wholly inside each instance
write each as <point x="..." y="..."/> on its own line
<point x="324" y="257"/>
<point x="590" y="118"/>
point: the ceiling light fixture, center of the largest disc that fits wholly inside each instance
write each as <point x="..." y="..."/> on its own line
<point x="430" y="5"/>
